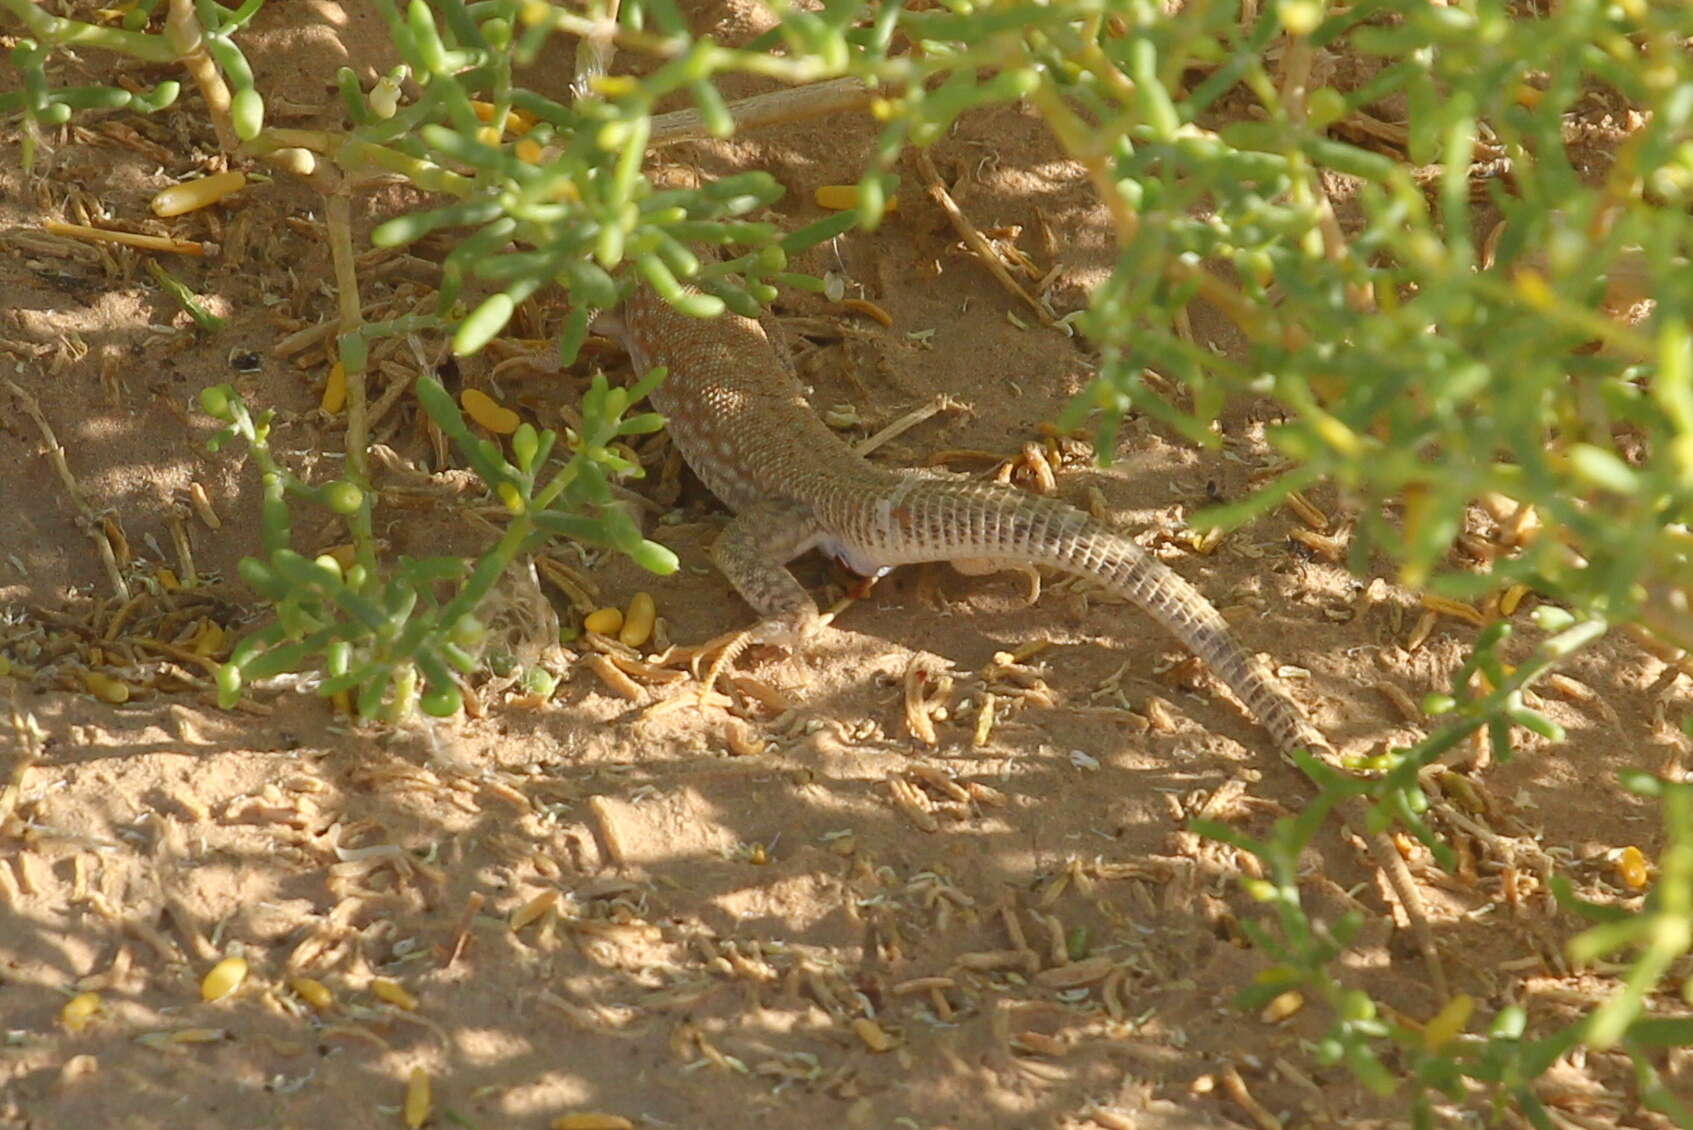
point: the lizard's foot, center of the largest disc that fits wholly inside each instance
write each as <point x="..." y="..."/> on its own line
<point x="791" y="633"/>
<point x="733" y="648"/>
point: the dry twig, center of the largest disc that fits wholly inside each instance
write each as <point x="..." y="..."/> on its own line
<point x="975" y="240"/>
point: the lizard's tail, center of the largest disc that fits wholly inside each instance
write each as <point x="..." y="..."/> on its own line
<point x="943" y="521"/>
<point x="931" y="520"/>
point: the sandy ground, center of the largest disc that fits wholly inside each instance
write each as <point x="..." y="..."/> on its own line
<point x="790" y="914"/>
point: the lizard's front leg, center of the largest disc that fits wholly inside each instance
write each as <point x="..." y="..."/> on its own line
<point x="752" y="552"/>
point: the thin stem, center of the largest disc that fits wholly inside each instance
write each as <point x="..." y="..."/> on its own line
<point x="338" y="214"/>
<point x="55" y="31"/>
<point x="188" y="44"/>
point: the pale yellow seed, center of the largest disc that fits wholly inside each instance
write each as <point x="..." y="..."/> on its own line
<point x="78" y="1011"/>
<point x="529" y="152"/>
<point x="105" y="688"/>
<point x="1513" y="597"/>
<point x="417" y="1098"/>
<point x="840" y="197"/>
<point x="335" y="389"/>
<point x="223" y="978"/>
<point x="1631" y="868"/>
<point x="191" y="195"/>
<point x="208" y="640"/>
<point x="1282" y="1007"/>
<point x="606" y="621"/>
<point x="638" y="621"/>
<point x="532" y="909"/>
<point x="517" y="121"/>
<point x="294" y="159"/>
<point x="488" y="412"/>
<point x="872" y="1034"/>
<point x="394" y="993"/>
<point x="197" y="1035"/>
<point x="168" y="581"/>
<point x="1448" y="1022"/>
<point x="314" y="993"/>
<point x="591" y="1120"/>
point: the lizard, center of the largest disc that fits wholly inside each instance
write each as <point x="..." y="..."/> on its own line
<point x="738" y="416"/>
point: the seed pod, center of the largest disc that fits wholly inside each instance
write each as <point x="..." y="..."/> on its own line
<point x="78" y="1011"/>
<point x="873" y="1035"/>
<point x="605" y="621"/>
<point x="223" y="978"/>
<point x="105" y="688"/>
<point x="417" y="1098"/>
<point x="488" y="412"/>
<point x="314" y="993"/>
<point x="638" y="621"/>
<point x="335" y="389"/>
<point x="1281" y="1007"/>
<point x="195" y="194"/>
<point x="1631" y="868"/>
<point x="394" y="993"/>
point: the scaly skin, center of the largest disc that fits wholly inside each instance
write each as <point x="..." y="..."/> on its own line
<point x="743" y="425"/>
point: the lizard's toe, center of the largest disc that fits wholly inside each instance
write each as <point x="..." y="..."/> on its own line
<point x="790" y="633"/>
